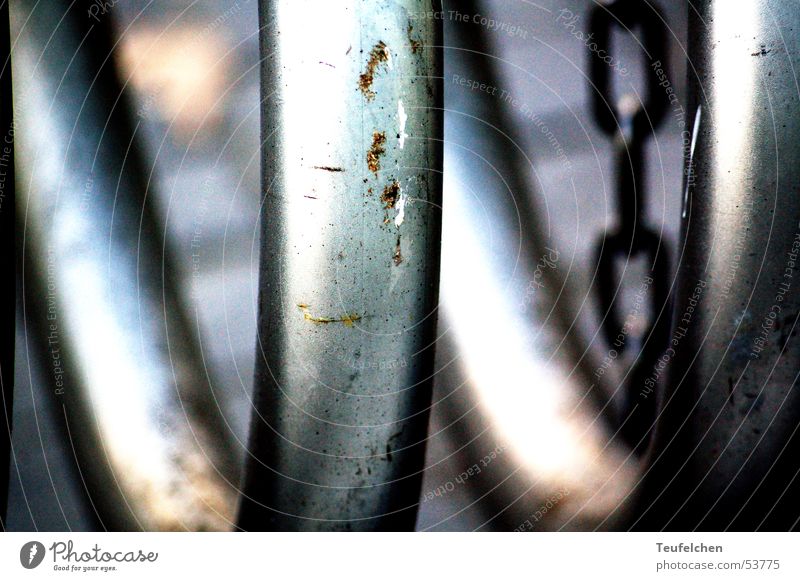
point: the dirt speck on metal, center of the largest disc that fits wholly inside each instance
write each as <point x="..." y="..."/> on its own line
<point x="397" y="257"/>
<point x="416" y="45"/>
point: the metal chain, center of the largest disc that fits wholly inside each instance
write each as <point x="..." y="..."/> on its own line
<point x="632" y="235"/>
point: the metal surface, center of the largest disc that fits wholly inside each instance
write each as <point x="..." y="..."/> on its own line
<point x="726" y="449"/>
<point x="100" y="305"/>
<point x="352" y="131"/>
<point x="7" y="259"/>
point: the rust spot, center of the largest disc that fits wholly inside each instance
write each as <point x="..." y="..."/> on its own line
<point x="397" y="257"/>
<point x="347" y="320"/>
<point x="328" y="168"/>
<point x="376" y="151"/>
<point x="377" y="56"/>
<point x="390" y="195"/>
<point x="416" y="45"/>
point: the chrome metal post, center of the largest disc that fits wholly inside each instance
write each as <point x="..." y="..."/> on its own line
<point x="101" y="305"/>
<point x="726" y="453"/>
<point x="351" y="226"/>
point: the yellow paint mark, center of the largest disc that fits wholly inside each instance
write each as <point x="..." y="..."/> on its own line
<point x="347" y="320"/>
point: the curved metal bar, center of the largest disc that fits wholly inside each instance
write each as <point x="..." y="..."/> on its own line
<point x="726" y="454"/>
<point x="8" y="291"/>
<point x="352" y="138"/>
<point x="517" y="369"/>
<point x="100" y="302"/>
<point x="553" y="317"/>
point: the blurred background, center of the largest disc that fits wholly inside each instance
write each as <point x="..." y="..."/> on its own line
<point x="517" y="438"/>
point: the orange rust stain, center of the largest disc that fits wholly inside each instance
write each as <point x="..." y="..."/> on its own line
<point x="378" y="55"/>
<point x="390" y="195"/>
<point x="376" y="151"/>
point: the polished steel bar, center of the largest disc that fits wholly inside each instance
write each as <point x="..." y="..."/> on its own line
<point x="726" y="453"/>
<point x="100" y="302"/>
<point x="351" y="227"/>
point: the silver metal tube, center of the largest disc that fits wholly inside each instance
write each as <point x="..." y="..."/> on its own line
<point x="726" y="454"/>
<point x="352" y="137"/>
<point x="100" y="302"/>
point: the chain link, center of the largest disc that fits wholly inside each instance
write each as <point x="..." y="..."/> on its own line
<point x="632" y="236"/>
